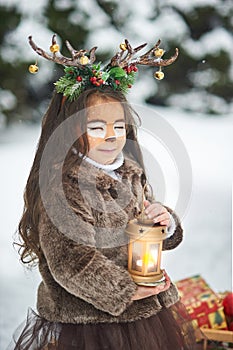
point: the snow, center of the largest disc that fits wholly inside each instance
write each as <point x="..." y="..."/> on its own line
<point x="206" y="248"/>
<point x="7" y="102"/>
<point x="196" y="101"/>
<point x="188" y="6"/>
<point x="28" y="8"/>
<point x="210" y="43"/>
<point x="177" y="28"/>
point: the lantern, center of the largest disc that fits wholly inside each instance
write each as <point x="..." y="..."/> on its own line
<point x="144" y="251"/>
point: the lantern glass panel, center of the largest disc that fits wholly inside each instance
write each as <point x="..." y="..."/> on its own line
<point x="151" y="257"/>
<point x="137" y="251"/>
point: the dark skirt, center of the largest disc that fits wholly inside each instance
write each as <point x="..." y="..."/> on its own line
<point x="169" y="329"/>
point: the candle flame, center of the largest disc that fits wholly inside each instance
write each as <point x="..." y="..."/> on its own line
<point x="148" y="260"/>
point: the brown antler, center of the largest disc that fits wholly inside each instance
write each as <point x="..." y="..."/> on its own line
<point x="122" y="62"/>
<point x="149" y="58"/>
<point x="66" y="61"/>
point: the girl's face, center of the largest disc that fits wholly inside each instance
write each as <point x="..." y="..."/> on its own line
<point x="105" y="129"/>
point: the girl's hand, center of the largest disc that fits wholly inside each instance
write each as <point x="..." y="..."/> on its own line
<point x="157" y="213"/>
<point x="145" y="292"/>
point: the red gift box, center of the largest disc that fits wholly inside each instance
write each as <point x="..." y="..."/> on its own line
<point x="203" y="305"/>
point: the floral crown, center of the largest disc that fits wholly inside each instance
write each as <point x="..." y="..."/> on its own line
<point x="81" y="72"/>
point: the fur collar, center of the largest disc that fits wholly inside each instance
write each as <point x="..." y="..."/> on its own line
<point x="87" y="174"/>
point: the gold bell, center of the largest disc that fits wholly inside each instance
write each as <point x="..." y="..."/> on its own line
<point x="54" y="48"/>
<point x="159" y="52"/>
<point x="33" y="68"/>
<point x="159" y="75"/>
<point x="123" y="47"/>
<point x="84" y="60"/>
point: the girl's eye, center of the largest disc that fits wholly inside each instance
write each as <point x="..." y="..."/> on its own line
<point x="119" y="126"/>
<point x="96" y="128"/>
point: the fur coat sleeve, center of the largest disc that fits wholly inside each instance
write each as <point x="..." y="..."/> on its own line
<point x="75" y="263"/>
<point x="174" y="240"/>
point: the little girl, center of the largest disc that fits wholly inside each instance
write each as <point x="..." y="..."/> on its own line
<point x="75" y="231"/>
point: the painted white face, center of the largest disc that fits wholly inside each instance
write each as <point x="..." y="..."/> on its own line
<point x="100" y="129"/>
<point x="106" y="131"/>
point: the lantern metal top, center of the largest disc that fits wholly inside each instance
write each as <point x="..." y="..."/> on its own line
<point x="137" y="229"/>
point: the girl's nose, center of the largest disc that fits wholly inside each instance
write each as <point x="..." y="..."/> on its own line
<point x="110" y="133"/>
<point x="110" y="139"/>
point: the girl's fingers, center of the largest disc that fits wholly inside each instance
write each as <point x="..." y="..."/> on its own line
<point x="162" y="287"/>
<point x="164" y="219"/>
<point x="165" y="223"/>
<point x="165" y="275"/>
<point x="144" y="292"/>
<point x="165" y="286"/>
<point x="157" y="212"/>
<point x="155" y="209"/>
<point x="146" y="203"/>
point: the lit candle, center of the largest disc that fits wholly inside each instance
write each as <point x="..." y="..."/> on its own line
<point x="148" y="259"/>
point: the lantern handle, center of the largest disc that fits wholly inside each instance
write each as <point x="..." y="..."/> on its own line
<point x="142" y="215"/>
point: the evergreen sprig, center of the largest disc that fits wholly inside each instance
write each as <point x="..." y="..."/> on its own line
<point x="76" y="80"/>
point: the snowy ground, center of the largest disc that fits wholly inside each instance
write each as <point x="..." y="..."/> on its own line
<point x="207" y="246"/>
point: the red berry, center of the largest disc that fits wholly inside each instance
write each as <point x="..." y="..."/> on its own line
<point x="79" y="78"/>
<point x="129" y="86"/>
<point x="100" y="81"/>
<point x="93" y="80"/>
<point x="117" y="82"/>
<point x="97" y="83"/>
<point x="135" y="69"/>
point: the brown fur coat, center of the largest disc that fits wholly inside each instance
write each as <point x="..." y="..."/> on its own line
<point x="84" y="250"/>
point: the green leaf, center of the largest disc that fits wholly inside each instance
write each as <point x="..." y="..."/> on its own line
<point x="105" y="75"/>
<point x="117" y="72"/>
<point x="96" y="66"/>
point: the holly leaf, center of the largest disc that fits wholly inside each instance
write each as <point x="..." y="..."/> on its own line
<point x="105" y="75"/>
<point x="117" y="72"/>
<point x="96" y="66"/>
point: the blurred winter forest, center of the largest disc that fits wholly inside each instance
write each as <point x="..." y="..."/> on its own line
<point x="200" y="81"/>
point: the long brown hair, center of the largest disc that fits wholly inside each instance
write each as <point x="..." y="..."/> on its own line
<point x="58" y="111"/>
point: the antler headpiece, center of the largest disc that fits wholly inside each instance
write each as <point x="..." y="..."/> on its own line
<point x="81" y="72"/>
